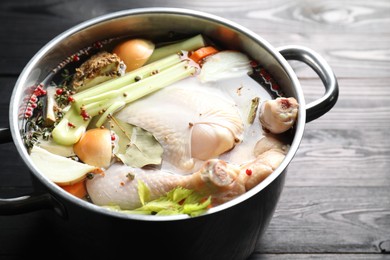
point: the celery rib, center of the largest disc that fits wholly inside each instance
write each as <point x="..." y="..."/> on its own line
<point x="105" y="98"/>
<point x="110" y="110"/>
<point x="141" y="88"/>
<point x="192" y="43"/>
<point x="69" y="130"/>
<point x="67" y="134"/>
<point x="129" y="78"/>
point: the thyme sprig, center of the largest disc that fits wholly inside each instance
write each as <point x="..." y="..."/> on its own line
<point x="62" y="97"/>
<point x="36" y="129"/>
<point x="35" y="132"/>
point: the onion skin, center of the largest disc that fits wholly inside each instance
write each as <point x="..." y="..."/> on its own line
<point x="94" y="147"/>
<point x="134" y="53"/>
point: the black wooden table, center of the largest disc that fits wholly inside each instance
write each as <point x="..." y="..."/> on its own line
<point x="336" y="201"/>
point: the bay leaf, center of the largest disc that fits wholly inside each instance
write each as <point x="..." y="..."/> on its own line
<point x="136" y="147"/>
<point x="253" y="109"/>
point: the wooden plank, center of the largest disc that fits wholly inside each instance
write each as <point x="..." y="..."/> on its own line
<point x="329" y="143"/>
<point x="352" y="17"/>
<point x="349" y="145"/>
<point x="362" y="104"/>
<point x="367" y="59"/>
<point x="327" y="16"/>
<point x="318" y="256"/>
<point x="336" y="196"/>
<point x="14" y="174"/>
<point x="318" y="221"/>
<point x="19" y="236"/>
<point x="7" y="86"/>
<point x="340" y="158"/>
<point x="350" y="56"/>
<point x="353" y="92"/>
<point x="346" y="28"/>
<point x="329" y="220"/>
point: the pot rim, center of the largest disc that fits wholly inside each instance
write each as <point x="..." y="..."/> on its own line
<point x="58" y="191"/>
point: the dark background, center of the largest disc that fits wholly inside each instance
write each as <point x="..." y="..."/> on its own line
<point x="336" y="201"/>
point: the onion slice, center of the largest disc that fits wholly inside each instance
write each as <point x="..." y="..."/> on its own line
<point x="224" y="65"/>
<point x="60" y="170"/>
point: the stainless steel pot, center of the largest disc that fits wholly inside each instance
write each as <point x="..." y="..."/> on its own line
<point x="229" y="231"/>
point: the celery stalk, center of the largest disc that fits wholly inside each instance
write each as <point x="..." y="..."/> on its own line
<point x="98" y="107"/>
<point x="162" y="58"/>
<point x="110" y="110"/>
<point x="73" y="125"/>
<point x="190" y="44"/>
<point x="160" y="80"/>
<point x="136" y="91"/>
<point x="69" y="130"/>
<point x="129" y="78"/>
<point x="141" y="88"/>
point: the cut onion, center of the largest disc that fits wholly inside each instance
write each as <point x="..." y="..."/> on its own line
<point x="224" y="65"/>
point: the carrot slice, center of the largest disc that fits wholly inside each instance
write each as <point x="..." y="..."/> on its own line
<point x="201" y="53"/>
<point x="77" y="189"/>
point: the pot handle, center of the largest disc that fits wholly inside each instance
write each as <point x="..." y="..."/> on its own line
<point x="322" y="105"/>
<point x="28" y="203"/>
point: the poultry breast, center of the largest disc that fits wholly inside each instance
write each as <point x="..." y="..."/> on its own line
<point x="192" y="122"/>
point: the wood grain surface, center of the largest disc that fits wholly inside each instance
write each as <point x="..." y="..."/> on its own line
<point x="336" y="199"/>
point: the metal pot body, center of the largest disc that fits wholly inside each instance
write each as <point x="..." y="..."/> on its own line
<point x="229" y="231"/>
<point x="229" y="234"/>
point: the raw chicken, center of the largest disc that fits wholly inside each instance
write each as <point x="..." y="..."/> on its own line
<point x="268" y="142"/>
<point x="278" y="115"/>
<point x="190" y="121"/>
<point x="221" y="180"/>
<point x="118" y="185"/>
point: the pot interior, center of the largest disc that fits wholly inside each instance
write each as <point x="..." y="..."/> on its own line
<point x="158" y="25"/>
